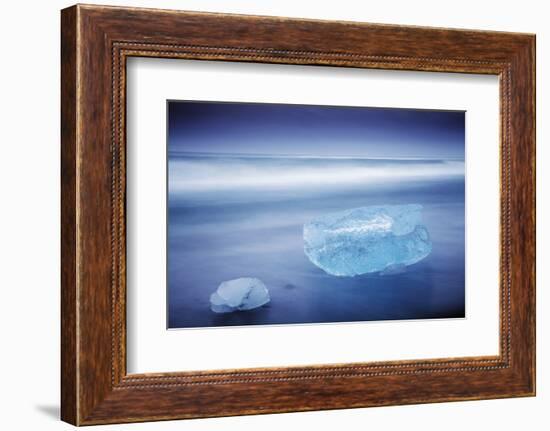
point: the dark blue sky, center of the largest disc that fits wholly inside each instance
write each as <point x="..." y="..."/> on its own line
<point x="314" y="130"/>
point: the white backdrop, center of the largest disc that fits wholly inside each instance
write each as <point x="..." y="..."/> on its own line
<point x="29" y="226"/>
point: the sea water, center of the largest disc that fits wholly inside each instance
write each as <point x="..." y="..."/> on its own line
<point x="233" y="216"/>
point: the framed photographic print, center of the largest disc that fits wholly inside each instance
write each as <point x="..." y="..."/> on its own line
<point x="322" y="214"/>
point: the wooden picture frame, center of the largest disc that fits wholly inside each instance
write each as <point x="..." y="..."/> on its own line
<point x="95" y="43"/>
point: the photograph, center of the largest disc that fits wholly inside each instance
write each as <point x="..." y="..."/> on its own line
<point x="275" y="215"/>
<point x="304" y="214"/>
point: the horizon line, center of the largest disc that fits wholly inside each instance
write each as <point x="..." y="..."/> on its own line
<point x="287" y="155"/>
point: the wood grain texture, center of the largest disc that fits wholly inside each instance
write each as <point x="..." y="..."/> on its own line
<point x="96" y="41"/>
<point x="69" y="366"/>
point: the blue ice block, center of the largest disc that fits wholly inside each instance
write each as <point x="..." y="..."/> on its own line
<point x="240" y="294"/>
<point x="367" y="239"/>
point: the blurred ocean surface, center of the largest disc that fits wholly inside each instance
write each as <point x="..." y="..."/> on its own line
<point x="232" y="216"/>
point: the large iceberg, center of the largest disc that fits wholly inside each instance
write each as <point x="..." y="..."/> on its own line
<point x="239" y="294"/>
<point x="367" y="239"/>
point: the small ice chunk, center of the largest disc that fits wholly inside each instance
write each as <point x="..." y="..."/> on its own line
<point x="239" y="294"/>
<point x="367" y="239"/>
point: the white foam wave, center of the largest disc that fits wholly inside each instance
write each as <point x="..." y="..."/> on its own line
<point x="214" y="175"/>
